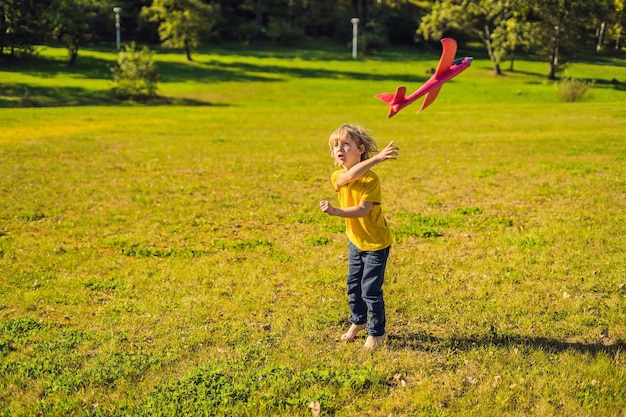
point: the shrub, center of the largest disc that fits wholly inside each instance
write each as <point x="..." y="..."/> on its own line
<point x="135" y="75"/>
<point x="571" y="89"/>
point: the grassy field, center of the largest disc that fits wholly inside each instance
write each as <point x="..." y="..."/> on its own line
<point x="172" y="260"/>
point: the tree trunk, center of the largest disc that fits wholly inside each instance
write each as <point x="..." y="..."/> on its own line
<point x="554" y="62"/>
<point x="492" y="56"/>
<point x="259" y="18"/>
<point x="289" y="13"/>
<point x="554" y="55"/>
<point x="601" y="34"/>
<point x="73" y="56"/>
<point x="188" y="51"/>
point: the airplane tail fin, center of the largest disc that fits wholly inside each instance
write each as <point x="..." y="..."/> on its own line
<point x="394" y="100"/>
<point x="430" y="97"/>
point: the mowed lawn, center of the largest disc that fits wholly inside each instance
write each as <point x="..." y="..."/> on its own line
<point x="171" y="259"/>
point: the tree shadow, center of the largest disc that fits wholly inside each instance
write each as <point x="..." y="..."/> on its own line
<point x="213" y="72"/>
<point x="25" y="95"/>
<point x="602" y="83"/>
<point x="209" y="72"/>
<point x="422" y="341"/>
<point x="327" y="52"/>
<point x="216" y="71"/>
<point x="86" y="67"/>
<point x="597" y="82"/>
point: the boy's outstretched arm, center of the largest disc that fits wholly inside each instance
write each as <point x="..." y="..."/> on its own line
<point x="356" y="171"/>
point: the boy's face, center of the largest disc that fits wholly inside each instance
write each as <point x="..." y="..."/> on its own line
<point x="347" y="153"/>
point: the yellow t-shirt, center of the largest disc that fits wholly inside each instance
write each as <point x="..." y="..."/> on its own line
<point x="369" y="233"/>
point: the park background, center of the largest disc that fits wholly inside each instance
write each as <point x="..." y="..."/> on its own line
<point x="165" y="255"/>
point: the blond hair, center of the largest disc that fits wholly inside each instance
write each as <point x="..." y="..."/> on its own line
<point x="358" y="135"/>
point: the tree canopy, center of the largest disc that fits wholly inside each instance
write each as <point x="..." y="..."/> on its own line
<point x="552" y="29"/>
<point x="182" y="23"/>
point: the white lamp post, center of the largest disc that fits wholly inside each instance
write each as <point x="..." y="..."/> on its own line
<point x="355" y="31"/>
<point x="117" y="11"/>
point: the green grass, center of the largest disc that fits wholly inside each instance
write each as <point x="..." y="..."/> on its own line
<point x="172" y="259"/>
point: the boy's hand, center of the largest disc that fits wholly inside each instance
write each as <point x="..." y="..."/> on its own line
<point x="326" y="207"/>
<point x="389" y="152"/>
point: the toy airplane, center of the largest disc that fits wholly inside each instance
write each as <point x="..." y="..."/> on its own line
<point x="447" y="69"/>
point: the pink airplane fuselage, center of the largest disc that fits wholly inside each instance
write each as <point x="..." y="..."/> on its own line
<point x="447" y="69"/>
<point x="433" y="83"/>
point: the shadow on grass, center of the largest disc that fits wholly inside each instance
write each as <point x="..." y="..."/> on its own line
<point x="213" y="71"/>
<point x="240" y="71"/>
<point x="209" y="72"/>
<point x="87" y="67"/>
<point x="614" y="83"/>
<point x="24" y="95"/>
<point x="429" y="342"/>
<point x="597" y="82"/>
<point x="326" y="51"/>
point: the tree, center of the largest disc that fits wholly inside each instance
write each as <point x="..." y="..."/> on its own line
<point x="72" y="21"/>
<point x="514" y="35"/>
<point x="258" y="11"/>
<point x="559" y="27"/>
<point x="613" y="25"/>
<point x="554" y="29"/>
<point x="182" y="23"/>
<point x="401" y="18"/>
<point x="494" y="22"/>
<point x="21" y="25"/>
<point x="620" y="22"/>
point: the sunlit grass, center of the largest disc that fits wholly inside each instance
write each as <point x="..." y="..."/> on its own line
<point x="173" y="259"/>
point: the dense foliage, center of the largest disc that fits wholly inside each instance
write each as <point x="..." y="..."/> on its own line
<point x="552" y="29"/>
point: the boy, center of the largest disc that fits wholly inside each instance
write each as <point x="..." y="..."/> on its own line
<point x="369" y="237"/>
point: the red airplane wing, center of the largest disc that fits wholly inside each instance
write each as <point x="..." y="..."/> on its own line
<point x="430" y="97"/>
<point x="446" y="70"/>
<point x="447" y="56"/>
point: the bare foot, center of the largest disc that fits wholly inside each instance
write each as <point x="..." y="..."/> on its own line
<point x="373" y="342"/>
<point x="352" y="332"/>
<point x="315" y="409"/>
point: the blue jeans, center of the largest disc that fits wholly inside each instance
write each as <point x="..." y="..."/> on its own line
<point x="366" y="273"/>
